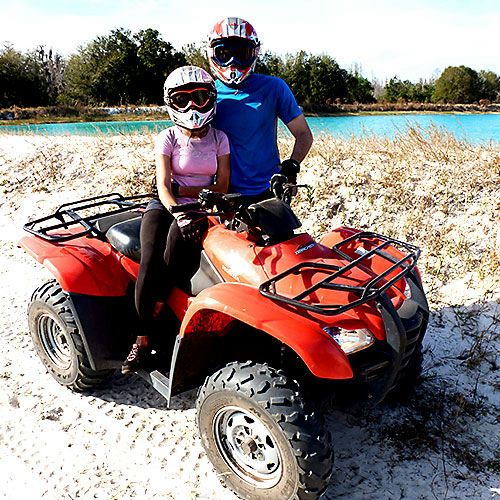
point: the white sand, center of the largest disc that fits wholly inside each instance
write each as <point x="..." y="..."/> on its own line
<point x="122" y="441"/>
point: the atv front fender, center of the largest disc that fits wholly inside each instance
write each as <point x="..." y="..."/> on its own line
<point x="214" y="309"/>
<point x="84" y="266"/>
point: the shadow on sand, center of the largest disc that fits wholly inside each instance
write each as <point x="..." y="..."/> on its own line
<point x="422" y="447"/>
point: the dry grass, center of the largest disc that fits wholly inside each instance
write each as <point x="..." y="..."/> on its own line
<point x="423" y="186"/>
<point x="439" y="419"/>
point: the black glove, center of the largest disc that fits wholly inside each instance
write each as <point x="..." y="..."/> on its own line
<point x="209" y="199"/>
<point x="278" y="182"/>
<point x="290" y="168"/>
<point x="192" y="225"/>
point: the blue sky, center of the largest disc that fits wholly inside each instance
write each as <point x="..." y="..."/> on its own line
<point x="410" y="39"/>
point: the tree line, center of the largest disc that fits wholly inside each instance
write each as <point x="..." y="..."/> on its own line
<point x="123" y="67"/>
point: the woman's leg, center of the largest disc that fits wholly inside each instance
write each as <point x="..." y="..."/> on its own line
<point x="152" y="272"/>
<point x="181" y="257"/>
<point x="150" y="281"/>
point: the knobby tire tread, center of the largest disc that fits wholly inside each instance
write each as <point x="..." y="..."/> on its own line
<point x="51" y="294"/>
<point x="280" y="397"/>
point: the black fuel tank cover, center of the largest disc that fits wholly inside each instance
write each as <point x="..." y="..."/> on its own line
<point x="274" y="217"/>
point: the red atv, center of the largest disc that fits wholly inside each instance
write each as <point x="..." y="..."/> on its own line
<point x="272" y="319"/>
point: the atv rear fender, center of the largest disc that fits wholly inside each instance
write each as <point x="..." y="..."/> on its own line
<point x="84" y="266"/>
<point x="215" y="310"/>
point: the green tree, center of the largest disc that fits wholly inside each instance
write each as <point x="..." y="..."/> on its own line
<point x="296" y="72"/>
<point x="270" y="64"/>
<point x="490" y="85"/>
<point x="397" y="90"/>
<point x="328" y="81"/>
<point x="422" y="91"/>
<point x="359" y="89"/>
<point x="121" y="68"/>
<point x="196" y="55"/>
<point x="155" y="59"/>
<point x="23" y="80"/>
<point x="457" y="85"/>
<point x="104" y="71"/>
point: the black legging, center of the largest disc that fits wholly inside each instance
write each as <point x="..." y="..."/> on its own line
<point x="166" y="260"/>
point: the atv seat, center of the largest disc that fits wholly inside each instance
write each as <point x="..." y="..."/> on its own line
<point x="124" y="237"/>
<point x="104" y="223"/>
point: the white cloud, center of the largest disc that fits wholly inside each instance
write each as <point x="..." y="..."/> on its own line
<point x="385" y="37"/>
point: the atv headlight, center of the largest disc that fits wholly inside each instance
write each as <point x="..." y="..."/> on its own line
<point x="350" y="340"/>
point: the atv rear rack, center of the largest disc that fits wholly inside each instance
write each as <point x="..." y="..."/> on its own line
<point x="68" y="217"/>
<point x="370" y="291"/>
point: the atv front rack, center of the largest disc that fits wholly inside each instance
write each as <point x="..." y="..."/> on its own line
<point x="68" y="217"/>
<point x="372" y="290"/>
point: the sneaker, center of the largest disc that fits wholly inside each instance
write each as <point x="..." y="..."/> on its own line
<point x="138" y="357"/>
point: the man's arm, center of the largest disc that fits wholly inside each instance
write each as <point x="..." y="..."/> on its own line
<point x="303" y="138"/>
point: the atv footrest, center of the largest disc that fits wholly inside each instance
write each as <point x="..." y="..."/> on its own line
<point x="158" y="381"/>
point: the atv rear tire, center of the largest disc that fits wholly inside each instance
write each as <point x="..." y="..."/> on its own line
<point x="57" y="340"/>
<point x="260" y="435"/>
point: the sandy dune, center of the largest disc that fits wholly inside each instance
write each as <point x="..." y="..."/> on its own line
<point x="122" y="441"/>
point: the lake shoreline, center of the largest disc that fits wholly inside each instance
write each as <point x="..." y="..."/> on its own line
<point x="68" y="114"/>
<point x="472" y="127"/>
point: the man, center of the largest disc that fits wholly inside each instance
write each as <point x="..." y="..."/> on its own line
<point x="248" y="108"/>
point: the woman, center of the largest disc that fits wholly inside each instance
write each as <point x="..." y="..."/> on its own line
<point x="190" y="156"/>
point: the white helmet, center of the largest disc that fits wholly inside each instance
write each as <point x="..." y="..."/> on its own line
<point x="233" y="48"/>
<point x="190" y="96"/>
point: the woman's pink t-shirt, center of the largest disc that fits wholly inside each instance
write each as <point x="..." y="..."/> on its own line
<point x="193" y="159"/>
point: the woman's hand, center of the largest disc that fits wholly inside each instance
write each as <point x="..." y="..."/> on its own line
<point x="192" y="225"/>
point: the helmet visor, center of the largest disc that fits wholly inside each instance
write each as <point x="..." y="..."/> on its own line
<point x="239" y="52"/>
<point x="199" y="98"/>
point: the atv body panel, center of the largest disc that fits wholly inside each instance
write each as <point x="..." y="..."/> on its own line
<point x="275" y="290"/>
<point x="84" y="265"/>
<point x="214" y="309"/>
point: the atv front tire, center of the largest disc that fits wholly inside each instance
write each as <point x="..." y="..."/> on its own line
<point x="260" y="435"/>
<point x="57" y="340"/>
<point x="410" y="376"/>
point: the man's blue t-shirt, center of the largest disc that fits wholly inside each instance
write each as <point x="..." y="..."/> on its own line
<point x="249" y="116"/>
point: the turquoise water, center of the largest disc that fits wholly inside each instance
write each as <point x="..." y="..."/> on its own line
<point x="472" y="127"/>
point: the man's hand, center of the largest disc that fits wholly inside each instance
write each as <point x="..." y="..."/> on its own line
<point x="290" y="168"/>
<point x="278" y="182"/>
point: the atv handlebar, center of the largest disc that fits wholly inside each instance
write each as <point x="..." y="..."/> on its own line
<point x="283" y="189"/>
<point x="209" y="200"/>
<point x="185" y="207"/>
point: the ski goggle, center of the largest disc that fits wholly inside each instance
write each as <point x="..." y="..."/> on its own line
<point x="238" y="52"/>
<point x="184" y="99"/>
